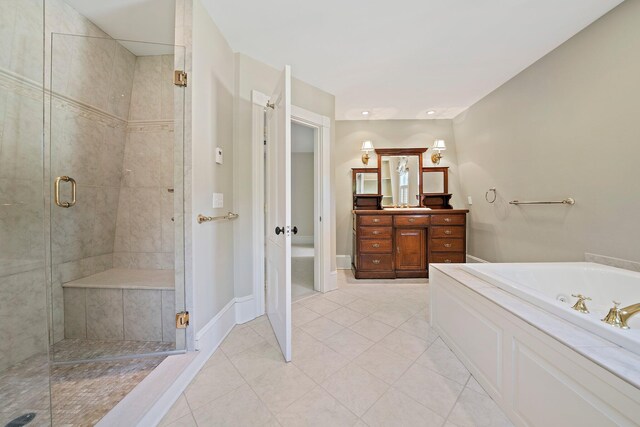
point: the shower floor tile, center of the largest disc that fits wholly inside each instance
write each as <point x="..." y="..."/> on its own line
<point x="79" y="349"/>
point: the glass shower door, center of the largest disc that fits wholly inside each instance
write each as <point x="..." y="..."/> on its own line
<point x="116" y="198"/>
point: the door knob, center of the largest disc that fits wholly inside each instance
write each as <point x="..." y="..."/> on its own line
<point x="279" y="230"/>
<point x="294" y="230"/>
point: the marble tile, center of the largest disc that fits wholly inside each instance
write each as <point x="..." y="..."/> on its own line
<point x="75" y="315"/>
<point x="111" y="153"/>
<point x="419" y="327"/>
<point x="404" y="344"/>
<point x="145" y="220"/>
<point x="179" y="409"/>
<point x="321" y="364"/>
<point x="104" y="221"/>
<point x="239" y="340"/>
<point x="395" y="408"/>
<point x="474" y="385"/>
<point x="257" y="360"/>
<point x="429" y="388"/>
<point x="142" y="315"/>
<point x="317" y="408"/>
<point x="169" y="316"/>
<point x="217" y="378"/>
<point x="167" y="87"/>
<point x="168" y="223"/>
<point x="348" y="343"/>
<point x="27" y="43"/>
<point x="440" y="358"/>
<point x="278" y="388"/>
<point x="105" y="318"/>
<point x="340" y="297"/>
<point x="143" y="158"/>
<point x="320" y="305"/>
<point x="392" y="314"/>
<point x="8" y="13"/>
<point x="240" y="407"/>
<point x="321" y="328"/>
<point x="371" y="328"/>
<point x="147" y="89"/>
<point x="301" y="315"/>
<point x="355" y="388"/>
<point x="345" y="316"/>
<point x="383" y="363"/>
<point x="363" y="306"/>
<point x="121" y="82"/>
<point x="476" y="410"/>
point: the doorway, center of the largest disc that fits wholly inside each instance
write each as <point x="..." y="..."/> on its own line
<point x="303" y="208"/>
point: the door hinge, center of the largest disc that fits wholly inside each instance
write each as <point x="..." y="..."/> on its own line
<point x="182" y="320"/>
<point x="180" y="78"/>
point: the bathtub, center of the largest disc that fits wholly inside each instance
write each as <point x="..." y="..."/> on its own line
<point x="550" y="285"/>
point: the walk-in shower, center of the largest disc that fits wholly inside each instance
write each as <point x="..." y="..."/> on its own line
<point x="91" y="213"/>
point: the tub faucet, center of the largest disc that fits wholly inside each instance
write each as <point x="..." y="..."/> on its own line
<point x="618" y="317"/>
<point x="580" y="305"/>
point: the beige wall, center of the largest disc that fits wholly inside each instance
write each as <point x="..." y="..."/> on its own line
<point x="211" y="244"/>
<point x="302" y="202"/>
<point x="566" y="126"/>
<point x="255" y="75"/>
<point x="385" y="134"/>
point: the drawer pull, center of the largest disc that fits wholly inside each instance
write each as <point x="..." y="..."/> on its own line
<point x="447" y="219"/>
<point x="448" y="232"/>
<point x="376" y="220"/>
<point x="447" y="261"/>
<point x="412" y="220"/>
<point x="376" y="245"/>
<point x="375" y="232"/>
<point x="447" y="245"/>
<point x="376" y="261"/>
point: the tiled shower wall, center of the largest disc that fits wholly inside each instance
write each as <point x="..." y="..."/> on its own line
<point x="145" y="231"/>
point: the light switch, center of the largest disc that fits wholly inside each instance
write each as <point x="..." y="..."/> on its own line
<point x="470" y="200"/>
<point x="219" y="155"/>
<point x="218" y="200"/>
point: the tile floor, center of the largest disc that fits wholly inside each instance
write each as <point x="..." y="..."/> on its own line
<point x="302" y="271"/>
<point x="363" y="355"/>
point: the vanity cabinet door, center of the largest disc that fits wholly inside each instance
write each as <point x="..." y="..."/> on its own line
<point x="411" y="249"/>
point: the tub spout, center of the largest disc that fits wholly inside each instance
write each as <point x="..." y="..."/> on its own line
<point x="618" y="317"/>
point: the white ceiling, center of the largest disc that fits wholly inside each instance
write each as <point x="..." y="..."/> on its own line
<point x="399" y="59"/>
<point x="140" y="20"/>
<point x="396" y="59"/>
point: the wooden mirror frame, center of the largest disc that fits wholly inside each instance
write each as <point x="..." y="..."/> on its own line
<point x="445" y="175"/>
<point x="356" y="171"/>
<point x="401" y="152"/>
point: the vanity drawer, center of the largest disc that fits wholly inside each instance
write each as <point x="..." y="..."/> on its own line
<point x="447" y="245"/>
<point x="411" y="220"/>
<point x="382" y="262"/>
<point x="447" y="257"/>
<point x="442" y="231"/>
<point x="375" y="246"/>
<point x="374" y="232"/>
<point x="375" y="219"/>
<point x="447" y="219"/>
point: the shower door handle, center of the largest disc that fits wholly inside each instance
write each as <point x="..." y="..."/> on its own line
<point x="56" y="187"/>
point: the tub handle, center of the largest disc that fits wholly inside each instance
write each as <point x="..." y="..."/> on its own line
<point x="580" y="304"/>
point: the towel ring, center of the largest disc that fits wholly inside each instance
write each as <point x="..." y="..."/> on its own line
<point x="495" y="195"/>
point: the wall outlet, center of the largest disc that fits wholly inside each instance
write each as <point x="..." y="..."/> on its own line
<point x="219" y="155"/>
<point x="218" y="200"/>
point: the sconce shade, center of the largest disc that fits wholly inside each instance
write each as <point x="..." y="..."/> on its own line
<point x="439" y="145"/>
<point x="367" y="146"/>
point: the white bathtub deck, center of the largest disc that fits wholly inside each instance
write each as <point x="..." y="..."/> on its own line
<point x="124" y="278"/>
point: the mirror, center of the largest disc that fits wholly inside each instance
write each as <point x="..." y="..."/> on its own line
<point x="400" y="180"/>
<point x="435" y="180"/>
<point x="366" y="183"/>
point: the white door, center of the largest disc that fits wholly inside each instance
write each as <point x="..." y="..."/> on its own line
<point x="278" y="201"/>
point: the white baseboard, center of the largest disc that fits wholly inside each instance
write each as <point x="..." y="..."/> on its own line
<point x="474" y="260"/>
<point x="152" y="398"/>
<point x="343" y="262"/>
<point x="245" y="309"/>
<point x="302" y="240"/>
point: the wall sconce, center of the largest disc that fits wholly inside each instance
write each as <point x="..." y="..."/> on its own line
<point x="438" y="146"/>
<point x="366" y="147"/>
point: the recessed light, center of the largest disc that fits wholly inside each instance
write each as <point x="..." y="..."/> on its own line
<point x="365" y="113"/>
<point x="431" y="112"/>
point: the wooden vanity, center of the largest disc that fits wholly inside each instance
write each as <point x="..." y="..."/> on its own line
<point x="401" y="243"/>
